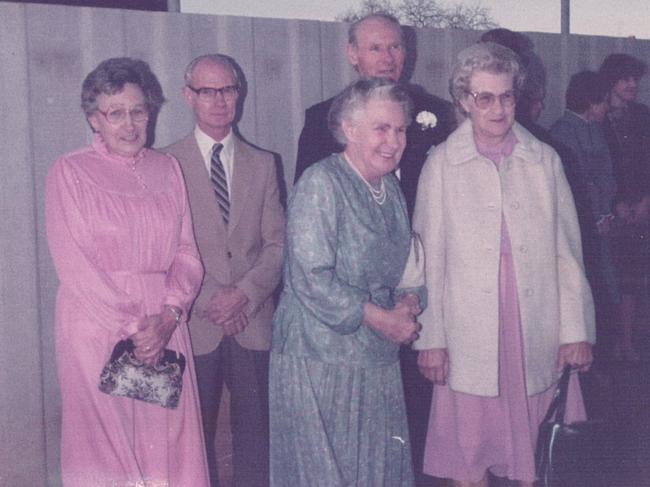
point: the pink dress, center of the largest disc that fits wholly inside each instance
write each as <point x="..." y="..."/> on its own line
<point x="121" y="239"/>
<point x="470" y="434"/>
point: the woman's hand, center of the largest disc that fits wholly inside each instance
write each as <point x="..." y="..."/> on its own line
<point x="577" y="355"/>
<point x="154" y="332"/>
<point x="398" y="324"/>
<point x="412" y="301"/>
<point x="434" y="364"/>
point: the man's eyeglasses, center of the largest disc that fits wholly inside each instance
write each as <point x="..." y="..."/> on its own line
<point x="118" y="115"/>
<point x="209" y="94"/>
<point x="485" y="99"/>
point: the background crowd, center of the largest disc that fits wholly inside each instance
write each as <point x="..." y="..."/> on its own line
<point x="507" y="212"/>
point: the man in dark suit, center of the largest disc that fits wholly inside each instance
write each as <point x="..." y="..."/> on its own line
<point x="239" y="229"/>
<point x="376" y="49"/>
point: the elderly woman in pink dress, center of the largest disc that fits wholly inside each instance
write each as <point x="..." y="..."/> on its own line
<point x="120" y="236"/>
<point x="508" y="302"/>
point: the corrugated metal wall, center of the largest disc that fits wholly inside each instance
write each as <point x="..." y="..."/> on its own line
<point x="45" y="52"/>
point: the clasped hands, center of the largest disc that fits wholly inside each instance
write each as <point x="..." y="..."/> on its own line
<point x="399" y="324"/>
<point x="226" y="309"/>
<point x="154" y="332"/>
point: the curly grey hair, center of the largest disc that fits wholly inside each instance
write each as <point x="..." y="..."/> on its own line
<point x="484" y="56"/>
<point x="352" y="100"/>
<point x="109" y="78"/>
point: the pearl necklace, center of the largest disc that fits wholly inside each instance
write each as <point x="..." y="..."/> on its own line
<point x="378" y="194"/>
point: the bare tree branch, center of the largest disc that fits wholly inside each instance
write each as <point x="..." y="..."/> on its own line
<point x="469" y="17"/>
<point x="426" y="13"/>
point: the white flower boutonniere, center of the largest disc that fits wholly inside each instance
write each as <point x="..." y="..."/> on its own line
<point x="427" y="120"/>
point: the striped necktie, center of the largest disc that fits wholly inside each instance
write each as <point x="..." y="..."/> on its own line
<point x="219" y="182"/>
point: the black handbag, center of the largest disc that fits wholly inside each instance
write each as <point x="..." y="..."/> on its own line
<point x="161" y="384"/>
<point x="571" y="455"/>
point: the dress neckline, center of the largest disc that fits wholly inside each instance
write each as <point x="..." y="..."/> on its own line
<point x="99" y="144"/>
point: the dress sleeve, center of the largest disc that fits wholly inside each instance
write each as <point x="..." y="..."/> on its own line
<point x="71" y="248"/>
<point x="185" y="273"/>
<point x="311" y="255"/>
<point x="577" y="319"/>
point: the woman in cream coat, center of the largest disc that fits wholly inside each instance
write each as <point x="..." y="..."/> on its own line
<point x="508" y="302"/>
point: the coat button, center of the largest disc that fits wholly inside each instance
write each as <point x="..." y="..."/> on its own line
<point x="515" y="205"/>
<point x="523" y="249"/>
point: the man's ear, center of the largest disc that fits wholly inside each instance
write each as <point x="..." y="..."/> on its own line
<point x="187" y="96"/>
<point x="353" y="56"/>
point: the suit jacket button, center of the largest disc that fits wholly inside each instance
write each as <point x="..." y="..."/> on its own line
<point x="229" y="254"/>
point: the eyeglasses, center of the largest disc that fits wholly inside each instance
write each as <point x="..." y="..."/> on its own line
<point x="118" y="115"/>
<point x="209" y="94"/>
<point x="485" y="99"/>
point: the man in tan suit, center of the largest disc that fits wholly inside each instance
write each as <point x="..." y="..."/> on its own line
<point x="239" y="227"/>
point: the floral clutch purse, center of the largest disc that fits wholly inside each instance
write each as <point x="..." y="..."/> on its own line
<point x="124" y="375"/>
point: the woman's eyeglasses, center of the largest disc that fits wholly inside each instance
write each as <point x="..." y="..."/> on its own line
<point x="118" y="115"/>
<point x="485" y="99"/>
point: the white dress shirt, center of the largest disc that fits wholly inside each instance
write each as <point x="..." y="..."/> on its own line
<point x="206" y="143"/>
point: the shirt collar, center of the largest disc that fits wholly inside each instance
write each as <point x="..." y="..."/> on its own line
<point x="206" y="143"/>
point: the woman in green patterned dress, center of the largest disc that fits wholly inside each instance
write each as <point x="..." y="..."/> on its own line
<point x="337" y="406"/>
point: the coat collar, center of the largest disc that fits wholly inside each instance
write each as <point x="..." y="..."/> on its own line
<point x="460" y="146"/>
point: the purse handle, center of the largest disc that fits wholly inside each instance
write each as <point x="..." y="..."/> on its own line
<point x="558" y="405"/>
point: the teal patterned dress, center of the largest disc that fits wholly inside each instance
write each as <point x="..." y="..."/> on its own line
<point x="336" y="401"/>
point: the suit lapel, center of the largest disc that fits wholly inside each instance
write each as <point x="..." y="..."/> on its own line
<point x="241" y="181"/>
<point x="205" y="212"/>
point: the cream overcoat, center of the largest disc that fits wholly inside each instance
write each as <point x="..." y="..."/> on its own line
<point x="461" y="199"/>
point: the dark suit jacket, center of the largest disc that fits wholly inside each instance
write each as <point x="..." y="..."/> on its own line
<point x="317" y="142"/>
<point x="248" y="254"/>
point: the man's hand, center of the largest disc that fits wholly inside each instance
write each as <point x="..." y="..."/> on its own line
<point x="227" y="303"/>
<point x="235" y="325"/>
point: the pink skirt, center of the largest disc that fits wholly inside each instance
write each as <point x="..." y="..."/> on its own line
<point x="469" y="434"/>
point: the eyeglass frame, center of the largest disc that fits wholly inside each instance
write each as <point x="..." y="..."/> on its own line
<point x="492" y="98"/>
<point x="234" y="89"/>
<point x="124" y="112"/>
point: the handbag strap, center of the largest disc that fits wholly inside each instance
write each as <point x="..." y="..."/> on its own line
<point x="557" y="407"/>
